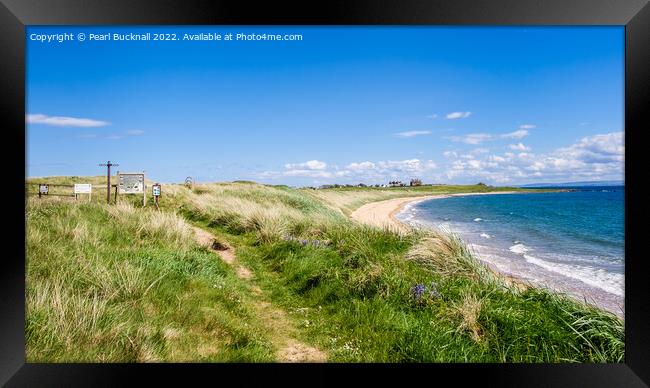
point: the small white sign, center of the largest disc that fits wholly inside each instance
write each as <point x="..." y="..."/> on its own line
<point x="156" y="190"/>
<point x="43" y="189"/>
<point x="82" y="188"/>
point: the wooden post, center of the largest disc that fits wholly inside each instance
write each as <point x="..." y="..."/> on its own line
<point x="116" y="192"/>
<point x="144" y="190"/>
<point x="156" y="193"/>
<point x="108" y="183"/>
<point x="108" y="179"/>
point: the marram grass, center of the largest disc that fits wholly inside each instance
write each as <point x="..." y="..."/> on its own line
<point x="118" y="283"/>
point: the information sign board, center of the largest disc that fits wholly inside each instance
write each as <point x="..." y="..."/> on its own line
<point x="131" y="183"/>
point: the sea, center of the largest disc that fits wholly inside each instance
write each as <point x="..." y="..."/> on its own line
<point x="571" y="242"/>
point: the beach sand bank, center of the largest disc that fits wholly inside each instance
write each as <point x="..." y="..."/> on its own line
<point x="382" y="213"/>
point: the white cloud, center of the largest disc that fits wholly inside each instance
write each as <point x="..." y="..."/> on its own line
<point x="114" y="137"/>
<point x="308" y="173"/>
<point x="357" y="171"/>
<point x="472" y="138"/>
<point x="596" y="157"/>
<point x="410" y="165"/>
<point x="496" y="159"/>
<point x="518" y="147"/>
<point x="62" y="121"/>
<point x="458" y="115"/>
<point x="521" y="133"/>
<point x="527" y="126"/>
<point x="596" y="149"/>
<point x="135" y="132"/>
<point x="309" y="165"/>
<point x="310" y="168"/>
<point x="469" y="155"/>
<point x="360" y="166"/>
<point x="412" y="133"/>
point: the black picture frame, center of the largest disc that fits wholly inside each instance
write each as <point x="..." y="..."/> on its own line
<point x="15" y="15"/>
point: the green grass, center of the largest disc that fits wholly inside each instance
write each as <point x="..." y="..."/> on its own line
<point x="357" y="295"/>
<point x="121" y="283"/>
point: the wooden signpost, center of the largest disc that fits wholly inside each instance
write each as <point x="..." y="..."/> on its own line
<point x="108" y="179"/>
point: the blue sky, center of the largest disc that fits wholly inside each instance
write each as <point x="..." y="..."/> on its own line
<point x="501" y="105"/>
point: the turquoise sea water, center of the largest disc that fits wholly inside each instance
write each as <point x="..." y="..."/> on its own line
<point x="571" y="242"/>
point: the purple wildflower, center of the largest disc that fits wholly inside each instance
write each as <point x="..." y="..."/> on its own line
<point x="420" y="295"/>
<point x="417" y="291"/>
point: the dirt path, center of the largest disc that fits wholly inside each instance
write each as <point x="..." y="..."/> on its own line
<point x="281" y="330"/>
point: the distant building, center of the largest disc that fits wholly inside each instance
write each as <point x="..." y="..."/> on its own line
<point x="395" y="184"/>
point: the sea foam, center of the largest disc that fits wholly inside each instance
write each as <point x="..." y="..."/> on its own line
<point x="595" y="277"/>
<point x="519" y="248"/>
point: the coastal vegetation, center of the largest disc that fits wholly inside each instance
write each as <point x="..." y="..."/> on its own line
<point x="122" y="283"/>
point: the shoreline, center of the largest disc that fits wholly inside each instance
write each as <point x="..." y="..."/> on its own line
<point x="384" y="214"/>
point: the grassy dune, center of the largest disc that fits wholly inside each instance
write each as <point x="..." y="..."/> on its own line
<point x="122" y="283"/>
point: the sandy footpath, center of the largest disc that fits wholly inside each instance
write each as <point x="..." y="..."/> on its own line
<point x="382" y="213"/>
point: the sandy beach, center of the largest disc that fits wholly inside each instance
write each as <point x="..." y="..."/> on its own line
<point x="382" y="213"/>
